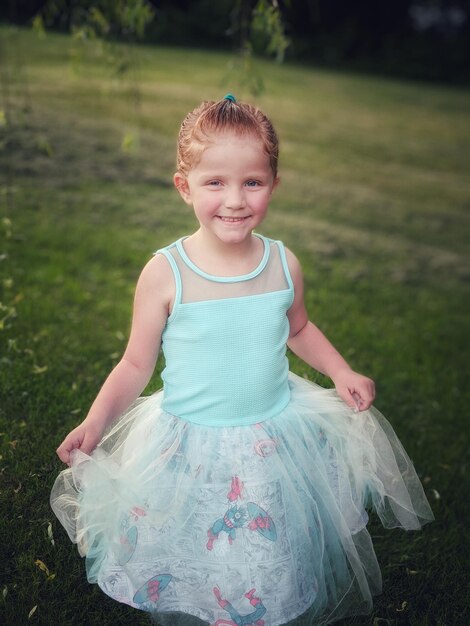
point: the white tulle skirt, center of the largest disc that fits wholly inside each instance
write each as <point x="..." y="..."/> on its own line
<point x="240" y="525"/>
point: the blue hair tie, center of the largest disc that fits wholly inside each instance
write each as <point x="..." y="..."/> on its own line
<point x="230" y="97"/>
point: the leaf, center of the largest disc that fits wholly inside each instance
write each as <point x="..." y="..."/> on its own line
<point x="38" y="26"/>
<point x="436" y="494"/>
<point x="44" y="146"/>
<point x="129" y="143"/>
<point x="33" y="611"/>
<point x="37" y="369"/>
<point x="50" y="535"/>
<point x="404" y="604"/>
<point x="12" y="345"/>
<point x="4" y="592"/>
<point x="42" y="566"/>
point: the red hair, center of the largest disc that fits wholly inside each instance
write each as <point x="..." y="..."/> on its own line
<point x="223" y="116"/>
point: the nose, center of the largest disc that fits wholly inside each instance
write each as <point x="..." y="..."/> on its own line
<point x="235" y="198"/>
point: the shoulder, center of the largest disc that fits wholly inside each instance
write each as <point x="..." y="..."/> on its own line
<point x="292" y="261"/>
<point x="156" y="272"/>
<point x="156" y="281"/>
<point x="294" y="266"/>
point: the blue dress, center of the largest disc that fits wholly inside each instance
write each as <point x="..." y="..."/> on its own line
<point x="237" y="495"/>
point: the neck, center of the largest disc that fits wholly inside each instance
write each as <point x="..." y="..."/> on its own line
<point x="231" y="249"/>
<point x="230" y="258"/>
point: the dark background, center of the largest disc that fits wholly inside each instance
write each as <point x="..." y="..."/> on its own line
<point x="419" y="39"/>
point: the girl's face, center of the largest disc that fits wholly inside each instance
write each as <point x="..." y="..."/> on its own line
<point x="230" y="187"/>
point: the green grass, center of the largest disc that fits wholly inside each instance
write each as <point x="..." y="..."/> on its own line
<point x="374" y="200"/>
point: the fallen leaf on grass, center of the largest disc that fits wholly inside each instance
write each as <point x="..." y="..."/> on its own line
<point x="49" y="534"/>
<point x="404" y="604"/>
<point x="436" y="494"/>
<point x="4" y="592"/>
<point x="37" y="369"/>
<point x="42" y="566"/>
<point x="33" y="611"/>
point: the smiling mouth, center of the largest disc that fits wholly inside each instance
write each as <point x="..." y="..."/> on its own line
<point x="232" y="220"/>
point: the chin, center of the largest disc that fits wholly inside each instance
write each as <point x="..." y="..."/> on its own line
<point x="234" y="234"/>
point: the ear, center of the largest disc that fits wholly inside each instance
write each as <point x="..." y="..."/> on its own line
<point x="276" y="182"/>
<point x="181" y="183"/>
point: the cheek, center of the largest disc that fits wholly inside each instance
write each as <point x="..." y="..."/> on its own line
<point x="261" y="201"/>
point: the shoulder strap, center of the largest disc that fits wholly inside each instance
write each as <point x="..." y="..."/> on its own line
<point x="285" y="267"/>
<point x="176" y="274"/>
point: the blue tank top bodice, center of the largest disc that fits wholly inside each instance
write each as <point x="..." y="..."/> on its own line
<point x="225" y="356"/>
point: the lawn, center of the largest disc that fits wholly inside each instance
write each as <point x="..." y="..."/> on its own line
<point x="374" y="200"/>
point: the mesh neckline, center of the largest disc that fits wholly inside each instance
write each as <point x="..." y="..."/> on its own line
<point x="226" y="279"/>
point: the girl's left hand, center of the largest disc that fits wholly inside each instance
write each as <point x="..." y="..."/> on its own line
<point x="356" y="390"/>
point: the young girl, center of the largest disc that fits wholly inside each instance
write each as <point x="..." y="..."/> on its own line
<point x="236" y="495"/>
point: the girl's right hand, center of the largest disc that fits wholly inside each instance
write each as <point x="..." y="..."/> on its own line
<point x="85" y="438"/>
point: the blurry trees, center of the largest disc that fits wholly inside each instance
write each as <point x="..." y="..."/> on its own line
<point x="415" y="38"/>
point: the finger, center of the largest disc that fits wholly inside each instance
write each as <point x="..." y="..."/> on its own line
<point x="348" y="397"/>
<point x="88" y="444"/>
<point x="365" y="397"/>
<point x="68" y="444"/>
<point x="357" y="399"/>
<point x="63" y="453"/>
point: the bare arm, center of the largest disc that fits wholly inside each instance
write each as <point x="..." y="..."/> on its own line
<point x="308" y="342"/>
<point x="127" y="380"/>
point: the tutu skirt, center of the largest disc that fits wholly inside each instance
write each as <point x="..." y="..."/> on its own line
<point x="240" y="525"/>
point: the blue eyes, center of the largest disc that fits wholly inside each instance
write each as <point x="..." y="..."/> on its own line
<point x="249" y="183"/>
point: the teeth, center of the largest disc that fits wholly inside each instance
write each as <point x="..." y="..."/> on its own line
<point x="231" y="219"/>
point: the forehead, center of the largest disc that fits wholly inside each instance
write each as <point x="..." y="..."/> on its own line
<point x="229" y="148"/>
